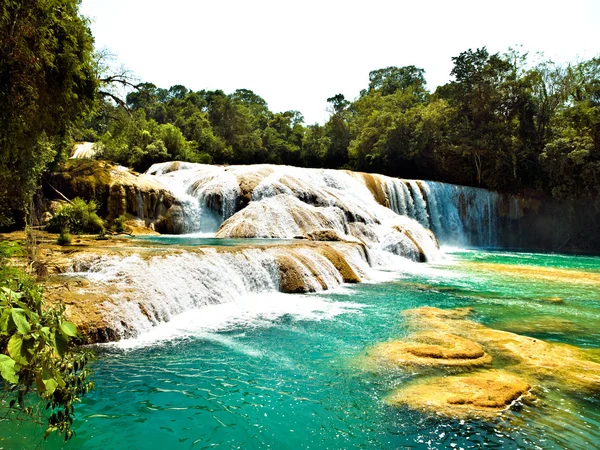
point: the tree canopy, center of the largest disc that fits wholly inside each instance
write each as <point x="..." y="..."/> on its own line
<point x="47" y="85"/>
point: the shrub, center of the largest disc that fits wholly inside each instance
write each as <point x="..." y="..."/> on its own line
<point x="119" y="224"/>
<point x="78" y="216"/>
<point x="38" y="355"/>
<point x="64" y="238"/>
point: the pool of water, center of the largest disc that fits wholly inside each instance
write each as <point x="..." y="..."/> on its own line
<point x="206" y="239"/>
<point x="281" y="371"/>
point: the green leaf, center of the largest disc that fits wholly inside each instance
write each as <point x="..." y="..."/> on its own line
<point x="20" y="319"/>
<point x="10" y="294"/>
<point x="60" y="381"/>
<point x="21" y="349"/>
<point x="50" y="385"/>
<point x="8" y="370"/>
<point x="69" y="329"/>
<point x="59" y="342"/>
<point x="5" y="321"/>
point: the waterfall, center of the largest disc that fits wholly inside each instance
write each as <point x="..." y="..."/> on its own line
<point x="458" y="215"/>
<point x="285" y="202"/>
<point x="209" y="194"/>
<point x="146" y="289"/>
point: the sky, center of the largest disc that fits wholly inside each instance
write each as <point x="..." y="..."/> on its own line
<point x="297" y="54"/>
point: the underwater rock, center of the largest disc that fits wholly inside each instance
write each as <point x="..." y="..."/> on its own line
<point x="430" y="348"/>
<point x="482" y="393"/>
<point x="553" y="364"/>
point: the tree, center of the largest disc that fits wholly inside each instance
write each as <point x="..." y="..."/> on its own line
<point x="338" y="132"/>
<point x="486" y="119"/>
<point x="47" y="85"/>
<point x="392" y="79"/>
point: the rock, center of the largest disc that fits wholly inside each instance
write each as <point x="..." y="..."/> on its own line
<point x="172" y="222"/>
<point x="552" y="364"/>
<point x="115" y="189"/>
<point x="483" y="393"/>
<point x="430" y="348"/>
<point x="294" y="278"/>
<point x="373" y="182"/>
<point x="324" y="235"/>
<point x="280" y="217"/>
<point x="46" y="217"/>
<point x="301" y="273"/>
<point x="340" y="263"/>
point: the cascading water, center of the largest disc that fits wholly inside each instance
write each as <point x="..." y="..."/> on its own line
<point x="389" y="217"/>
<point x="458" y="215"/>
<point x="146" y="289"/>
<point x="208" y="193"/>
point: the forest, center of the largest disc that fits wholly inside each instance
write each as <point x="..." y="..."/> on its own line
<point x="510" y="122"/>
<point x="502" y="123"/>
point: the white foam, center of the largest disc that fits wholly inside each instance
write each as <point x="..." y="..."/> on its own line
<point x="256" y="310"/>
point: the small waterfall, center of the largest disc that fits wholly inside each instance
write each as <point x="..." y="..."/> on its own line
<point x="144" y="290"/>
<point x="463" y="215"/>
<point x="209" y="194"/>
<point x="458" y="215"/>
<point x="147" y="291"/>
<point x="421" y="214"/>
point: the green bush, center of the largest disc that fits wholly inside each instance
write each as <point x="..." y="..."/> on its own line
<point x="64" y="238"/>
<point x="38" y="355"/>
<point x="119" y="224"/>
<point x="78" y="216"/>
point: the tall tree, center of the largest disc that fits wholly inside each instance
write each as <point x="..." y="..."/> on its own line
<point x="47" y="84"/>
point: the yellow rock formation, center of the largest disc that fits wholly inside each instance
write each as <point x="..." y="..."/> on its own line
<point x="482" y="393"/>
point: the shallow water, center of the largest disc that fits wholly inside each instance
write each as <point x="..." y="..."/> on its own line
<point x="280" y="371"/>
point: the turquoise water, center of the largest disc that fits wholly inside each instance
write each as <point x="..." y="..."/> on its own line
<point x="290" y="379"/>
<point x="201" y="239"/>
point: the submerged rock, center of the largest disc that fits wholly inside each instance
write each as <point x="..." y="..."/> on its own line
<point x="430" y="349"/>
<point x="448" y="339"/>
<point x="483" y="394"/>
<point x="552" y="364"/>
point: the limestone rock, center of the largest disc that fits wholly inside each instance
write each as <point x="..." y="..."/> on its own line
<point x="553" y="364"/>
<point x="115" y="189"/>
<point x="324" y="235"/>
<point x="482" y="393"/>
<point x="430" y="348"/>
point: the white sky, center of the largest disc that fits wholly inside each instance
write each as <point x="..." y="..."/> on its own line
<point x="297" y="54"/>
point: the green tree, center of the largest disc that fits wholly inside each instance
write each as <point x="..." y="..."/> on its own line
<point x="392" y="79"/>
<point x="486" y="119"/>
<point x="47" y="85"/>
<point x="338" y="131"/>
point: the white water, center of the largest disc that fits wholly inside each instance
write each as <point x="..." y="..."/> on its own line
<point x="247" y="311"/>
<point x="206" y="288"/>
<point x="147" y="289"/>
<point x="458" y="215"/>
<point x="208" y="193"/>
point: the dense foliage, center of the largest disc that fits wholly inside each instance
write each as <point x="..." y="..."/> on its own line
<point x="47" y="84"/>
<point x="502" y="123"/>
<point x="42" y="371"/>
<point x="77" y="216"/>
